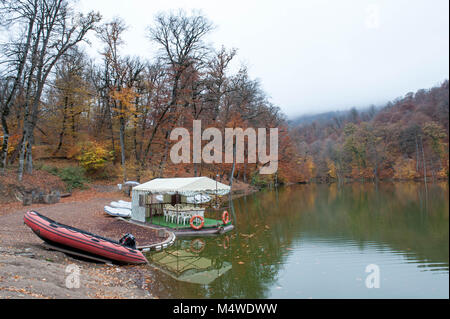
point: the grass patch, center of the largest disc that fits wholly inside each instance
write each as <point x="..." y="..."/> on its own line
<point x="72" y="176"/>
<point x="159" y="220"/>
<point x="261" y="180"/>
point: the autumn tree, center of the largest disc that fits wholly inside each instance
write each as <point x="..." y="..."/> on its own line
<point x="69" y="97"/>
<point x="21" y="14"/>
<point x="124" y="72"/>
<point x="180" y="38"/>
<point x="55" y="28"/>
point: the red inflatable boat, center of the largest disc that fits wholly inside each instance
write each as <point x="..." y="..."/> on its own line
<point x="79" y="240"/>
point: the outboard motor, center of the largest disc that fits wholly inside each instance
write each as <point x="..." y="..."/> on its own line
<point x="128" y="240"/>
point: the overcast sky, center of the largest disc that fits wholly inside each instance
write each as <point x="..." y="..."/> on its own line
<point x="313" y="55"/>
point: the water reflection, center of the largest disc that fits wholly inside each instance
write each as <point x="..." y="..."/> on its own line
<point x="316" y="240"/>
<point x="184" y="262"/>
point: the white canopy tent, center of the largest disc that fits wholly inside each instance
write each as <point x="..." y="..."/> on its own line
<point x="196" y="189"/>
<point x="187" y="186"/>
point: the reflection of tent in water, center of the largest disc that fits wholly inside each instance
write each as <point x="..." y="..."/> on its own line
<point x="187" y="266"/>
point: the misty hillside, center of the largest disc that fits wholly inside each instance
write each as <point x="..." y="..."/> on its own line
<point x="331" y="116"/>
<point x="320" y="118"/>
<point x="406" y="139"/>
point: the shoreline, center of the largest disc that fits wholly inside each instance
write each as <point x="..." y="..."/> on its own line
<point x="34" y="272"/>
<point x="29" y="270"/>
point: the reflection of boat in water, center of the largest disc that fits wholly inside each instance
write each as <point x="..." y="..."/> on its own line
<point x="184" y="263"/>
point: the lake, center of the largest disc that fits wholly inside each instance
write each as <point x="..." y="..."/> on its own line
<point x="318" y="241"/>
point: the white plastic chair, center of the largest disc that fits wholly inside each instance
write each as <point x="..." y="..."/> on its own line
<point x="181" y="217"/>
<point x="186" y="217"/>
<point x="173" y="216"/>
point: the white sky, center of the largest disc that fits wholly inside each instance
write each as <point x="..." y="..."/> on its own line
<point x="313" y="55"/>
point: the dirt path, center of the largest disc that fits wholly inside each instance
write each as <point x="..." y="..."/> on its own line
<point x="28" y="270"/>
<point x="32" y="274"/>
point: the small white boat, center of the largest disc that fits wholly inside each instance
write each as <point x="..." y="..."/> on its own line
<point x="131" y="183"/>
<point x="121" y="204"/>
<point x="114" y="211"/>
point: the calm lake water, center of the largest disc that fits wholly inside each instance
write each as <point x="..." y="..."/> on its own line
<point x="315" y="241"/>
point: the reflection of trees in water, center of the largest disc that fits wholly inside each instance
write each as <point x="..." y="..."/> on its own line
<point x="255" y="251"/>
<point x="404" y="216"/>
<point x="258" y="246"/>
<point x="401" y="216"/>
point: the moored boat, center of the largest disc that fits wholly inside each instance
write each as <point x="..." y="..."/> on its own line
<point x="123" y="251"/>
<point x="180" y="205"/>
<point x="121" y="204"/>
<point x="118" y="212"/>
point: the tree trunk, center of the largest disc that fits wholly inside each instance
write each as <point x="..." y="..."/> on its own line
<point x="417" y="155"/>
<point x="424" y="162"/>
<point x="25" y="135"/>
<point x="23" y="148"/>
<point x="122" y="147"/>
<point x="4" y="150"/>
<point x="111" y="130"/>
<point x="29" y="158"/>
<point x="74" y="130"/>
<point x="163" y="161"/>
<point x="234" y="165"/>
<point x="61" y="135"/>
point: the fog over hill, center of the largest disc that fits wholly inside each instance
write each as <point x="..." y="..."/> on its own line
<point x="405" y="139"/>
<point x="365" y="113"/>
<point x="326" y="117"/>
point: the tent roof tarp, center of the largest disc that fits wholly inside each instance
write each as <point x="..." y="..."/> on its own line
<point x="187" y="186"/>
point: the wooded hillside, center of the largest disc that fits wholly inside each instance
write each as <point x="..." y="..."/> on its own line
<point x="406" y="139"/>
<point x="113" y="117"/>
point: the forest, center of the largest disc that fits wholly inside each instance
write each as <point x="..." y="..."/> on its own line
<point x="407" y="139"/>
<point x="111" y="118"/>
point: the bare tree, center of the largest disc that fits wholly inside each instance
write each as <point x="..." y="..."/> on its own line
<point x="57" y="29"/>
<point x="111" y="35"/>
<point x="181" y="40"/>
<point x="71" y="91"/>
<point x="13" y="13"/>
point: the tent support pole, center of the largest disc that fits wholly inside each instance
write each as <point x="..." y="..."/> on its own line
<point x="176" y="197"/>
<point x="151" y="208"/>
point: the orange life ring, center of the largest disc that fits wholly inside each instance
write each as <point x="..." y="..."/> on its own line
<point x="194" y="243"/>
<point x="225" y="217"/>
<point x="192" y="222"/>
